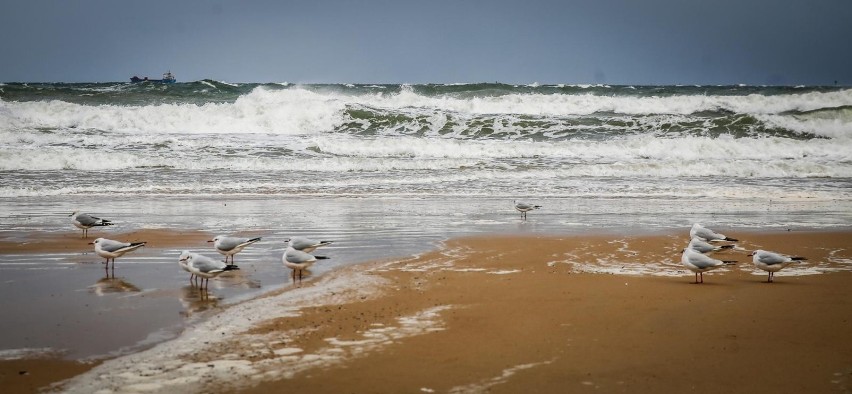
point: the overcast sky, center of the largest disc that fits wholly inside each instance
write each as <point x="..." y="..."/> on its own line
<point x="443" y="41"/>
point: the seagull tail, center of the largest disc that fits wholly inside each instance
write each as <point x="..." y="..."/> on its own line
<point x="797" y="258"/>
<point x="731" y="239"/>
<point x="321" y="257"/>
<point x="231" y="267"/>
<point x="729" y="262"/>
<point x="104" y="223"/>
<point x="138" y="244"/>
<point x="253" y="240"/>
<point x="324" y="243"/>
<point x="727" y="246"/>
<point x="536" y="206"/>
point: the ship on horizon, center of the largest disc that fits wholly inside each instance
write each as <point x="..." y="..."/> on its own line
<point x="168" y="77"/>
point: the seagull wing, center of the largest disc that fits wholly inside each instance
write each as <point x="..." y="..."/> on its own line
<point x="298" y="257"/>
<point x="770" y="258"/>
<point x="206" y="264"/>
<point x="86" y="219"/>
<point x="109" y="245"/>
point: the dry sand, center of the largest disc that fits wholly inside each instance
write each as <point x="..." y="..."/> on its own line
<point x="515" y="314"/>
<point x="548" y="329"/>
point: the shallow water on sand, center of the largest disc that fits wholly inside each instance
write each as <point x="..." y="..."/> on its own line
<point x="67" y="302"/>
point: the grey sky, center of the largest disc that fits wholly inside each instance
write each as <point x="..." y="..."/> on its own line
<point x="604" y="41"/>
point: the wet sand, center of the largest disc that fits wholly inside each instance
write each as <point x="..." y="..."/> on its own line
<point x="524" y="313"/>
<point x="28" y="374"/>
<point x="73" y="242"/>
<point x="31" y="375"/>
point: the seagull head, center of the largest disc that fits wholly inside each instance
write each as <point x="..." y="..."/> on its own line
<point x="218" y="237"/>
<point x="73" y="213"/>
<point x="185" y="256"/>
<point x="96" y="241"/>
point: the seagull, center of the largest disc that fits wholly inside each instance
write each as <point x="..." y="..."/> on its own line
<point x="772" y="262"/>
<point x="306" y="245"/>
<point x="707" y="234"/>
<point x="229" y="246"/>
<point x="699" y="263"/>
<point x="299" y="261"/>
<point x="698" y="245"/>
<point x="205" y="267"/>
<point x="183" y="263"/>
<point x="110" y="249"/>
<point x="523" y="208"/>
<point x="85" y="221"/>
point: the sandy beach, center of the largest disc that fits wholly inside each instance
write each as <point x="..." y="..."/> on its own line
<point x="510" y="313"/>
<point x="497" y="213"/>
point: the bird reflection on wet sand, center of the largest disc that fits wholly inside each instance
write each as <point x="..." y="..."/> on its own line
<point x="111" y="284"/>
<point x="196" y="300"/>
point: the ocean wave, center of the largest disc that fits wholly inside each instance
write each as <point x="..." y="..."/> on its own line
<point x="300" y="110"/>
<point x="335" y="155"/>
<point x="563" y="183"/>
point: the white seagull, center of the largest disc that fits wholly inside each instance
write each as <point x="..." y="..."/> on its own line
<point x="85" y="221"/>
<point x="698" y="245"/>
<point x="706" y="234"/>
<point x="306" y="245"/>
<point x="110" y="249"/>
<point x="772" y="262"/>
<point x="204" y="267"/>
<point x="700" y="263"/>
<point x="299" y="261"/>
<point x="229" y="246"/>
<point x="523" y="208"/>
<point x="183" y="261"/>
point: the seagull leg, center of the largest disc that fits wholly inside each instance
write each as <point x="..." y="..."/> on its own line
<point x="702" y="277"/>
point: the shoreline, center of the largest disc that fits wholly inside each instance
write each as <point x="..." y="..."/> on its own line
<point x="500" y="293"/>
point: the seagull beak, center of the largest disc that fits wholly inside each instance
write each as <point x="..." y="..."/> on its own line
<point x="91" y="243"/>
<point x="210" y="241"/>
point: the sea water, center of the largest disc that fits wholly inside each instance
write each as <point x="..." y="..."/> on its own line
<point x="530" y="142"/>
<point x="384" y="170"/>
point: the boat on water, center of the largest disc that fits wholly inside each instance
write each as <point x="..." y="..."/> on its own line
<point x="168" y="77"/>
